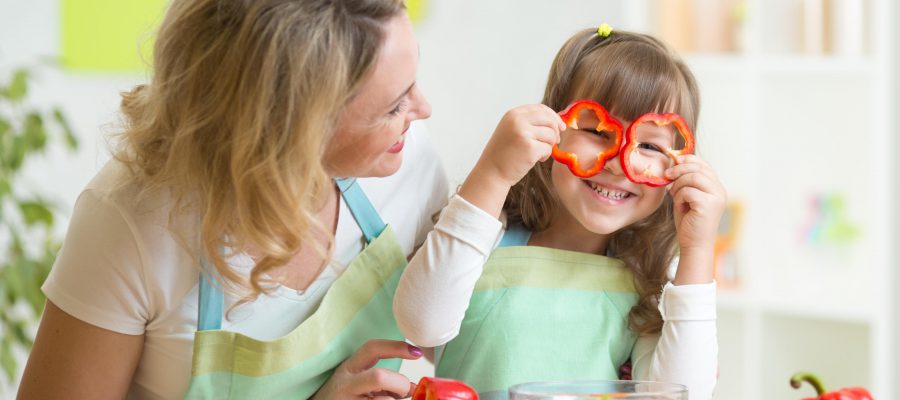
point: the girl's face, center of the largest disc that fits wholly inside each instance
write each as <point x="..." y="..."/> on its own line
<point x="603" y="203"/>
<point x="369" y="137"/>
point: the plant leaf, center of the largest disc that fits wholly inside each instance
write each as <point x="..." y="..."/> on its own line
<point x="18" y="87"/>
<point x="35" y="134"/>
<point x="6" y="359"/>
<point x="71" y="139"/>
<point x="16" y="155"/>
<point x="36" y="212"/>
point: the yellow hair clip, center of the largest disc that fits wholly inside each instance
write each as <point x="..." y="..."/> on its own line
<point x="604" y="30"/>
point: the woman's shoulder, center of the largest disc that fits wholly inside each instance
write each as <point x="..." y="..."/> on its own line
<point x="119" y="264"/>
<point x="116" y="185"/>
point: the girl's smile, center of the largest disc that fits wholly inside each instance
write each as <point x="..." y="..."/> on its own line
<point x="609" y="194"/>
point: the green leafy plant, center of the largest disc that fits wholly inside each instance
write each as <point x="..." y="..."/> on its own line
<point x="27" y="243"/>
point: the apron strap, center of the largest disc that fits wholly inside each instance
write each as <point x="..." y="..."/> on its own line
<point x="361" y="208"/>
<point x="212" y="300"/>
<point x="516" y="235"/>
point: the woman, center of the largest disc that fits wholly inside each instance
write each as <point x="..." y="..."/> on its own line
<point x="220" y="254"/>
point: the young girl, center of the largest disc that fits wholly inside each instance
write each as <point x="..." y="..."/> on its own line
<point x="551" y="276"/>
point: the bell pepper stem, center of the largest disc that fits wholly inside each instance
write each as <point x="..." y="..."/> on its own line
<point x="800" y="377"/>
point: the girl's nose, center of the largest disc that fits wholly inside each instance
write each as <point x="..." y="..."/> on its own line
<point x="614" y="166"/>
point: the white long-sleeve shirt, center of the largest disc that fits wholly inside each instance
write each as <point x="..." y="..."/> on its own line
<point x="450" y="263"/>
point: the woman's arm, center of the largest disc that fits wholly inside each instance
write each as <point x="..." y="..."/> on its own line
<point x="686" y="351"/>
<point x="72" y="359"/>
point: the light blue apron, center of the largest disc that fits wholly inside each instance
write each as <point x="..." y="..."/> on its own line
<point x="541" y="314"/>
<point x="357" y="308"/>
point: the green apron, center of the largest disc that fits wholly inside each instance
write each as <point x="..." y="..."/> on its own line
<point x="356" y="308"/>
<point x="540" y="314"/>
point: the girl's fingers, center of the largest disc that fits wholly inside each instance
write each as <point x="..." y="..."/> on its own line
<point x="690" y="196"/>
<point x="541" y="115"/>
<point x="545" y="135"/>
<point x="690" y="163"/>
<point x="695" y="180"/>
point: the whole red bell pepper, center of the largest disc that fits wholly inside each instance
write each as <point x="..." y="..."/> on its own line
<point x="631" y="144"/>
<point x="430" y="388"/>
<point x="607" y="123"/>
<point x="851" y="393"/>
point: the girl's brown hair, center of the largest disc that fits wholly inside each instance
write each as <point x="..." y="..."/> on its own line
<point x="630" y="74"/>
<point x="244" y="97"/>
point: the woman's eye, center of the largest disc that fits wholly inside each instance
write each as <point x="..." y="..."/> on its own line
<point x="401" y="107"/>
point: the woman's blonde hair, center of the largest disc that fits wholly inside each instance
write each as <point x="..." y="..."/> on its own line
<point x="630" y="74"/>
<point x="243" y="99"/>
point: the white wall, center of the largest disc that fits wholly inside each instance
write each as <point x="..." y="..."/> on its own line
<point x="481" y="58"/>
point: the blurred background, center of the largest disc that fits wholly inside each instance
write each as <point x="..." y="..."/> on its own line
<point x="799" y="101"/>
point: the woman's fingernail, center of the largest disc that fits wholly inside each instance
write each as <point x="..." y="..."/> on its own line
<point x="414" y="350"/>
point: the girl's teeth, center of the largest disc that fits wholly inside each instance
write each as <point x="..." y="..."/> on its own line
<point x="610" y="194"/>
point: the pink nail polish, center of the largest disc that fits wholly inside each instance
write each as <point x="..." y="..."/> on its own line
<point x="415" y="351"/>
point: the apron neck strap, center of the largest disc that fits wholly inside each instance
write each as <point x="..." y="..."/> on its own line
<point x="516" y="235"/>
<point x="361" y="208"/>
<point x="211" y="298"/>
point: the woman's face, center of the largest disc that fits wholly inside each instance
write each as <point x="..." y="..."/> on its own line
<point x="371" y="129"/>
<point x="603" y="203"/>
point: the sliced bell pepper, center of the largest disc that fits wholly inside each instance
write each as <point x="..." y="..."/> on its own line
<point x="443" y="389"/>
<point x="631" y="144"/>
<point x="851" y="393"/>
<point x="607" y="123"/>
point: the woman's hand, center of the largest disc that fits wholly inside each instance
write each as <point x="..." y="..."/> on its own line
<point x="356" y="378"/>
<point x="699" y="200"/>
<point x="524" y="136"/>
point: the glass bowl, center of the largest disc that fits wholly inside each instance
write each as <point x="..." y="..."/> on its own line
<point x="598" y="390"/>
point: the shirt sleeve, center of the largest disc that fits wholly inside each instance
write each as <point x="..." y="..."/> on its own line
<point x="436" y="287"/>
<point x="686" y="350"/>
<point x="98" y="273"/>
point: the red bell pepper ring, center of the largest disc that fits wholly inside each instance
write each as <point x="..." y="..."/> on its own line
<point x="631" y="144"/>
<point x="607" y="123"/>
<point x="851" y="393"/>
<point x="443" y="389"/>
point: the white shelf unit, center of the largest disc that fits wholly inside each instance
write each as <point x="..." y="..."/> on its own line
<point x="782" y="126"/>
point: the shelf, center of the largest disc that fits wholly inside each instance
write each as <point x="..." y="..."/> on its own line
<point x="731" y="62"/>
<point x="738" y="301"/>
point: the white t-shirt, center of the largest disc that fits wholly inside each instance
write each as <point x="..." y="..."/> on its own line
<point x="450" y="263"/>
<point x="122" y="269"/>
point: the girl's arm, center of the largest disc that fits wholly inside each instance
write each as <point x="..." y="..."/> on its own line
<point x="686" y="351"/>
<point x="435" y="288"/>
<point x="72" y="359"/>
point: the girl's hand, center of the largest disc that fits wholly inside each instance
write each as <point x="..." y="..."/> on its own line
<point x="524" y="136"/>
<point x="356" y="378"/>
<point x="699" y="200"/>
